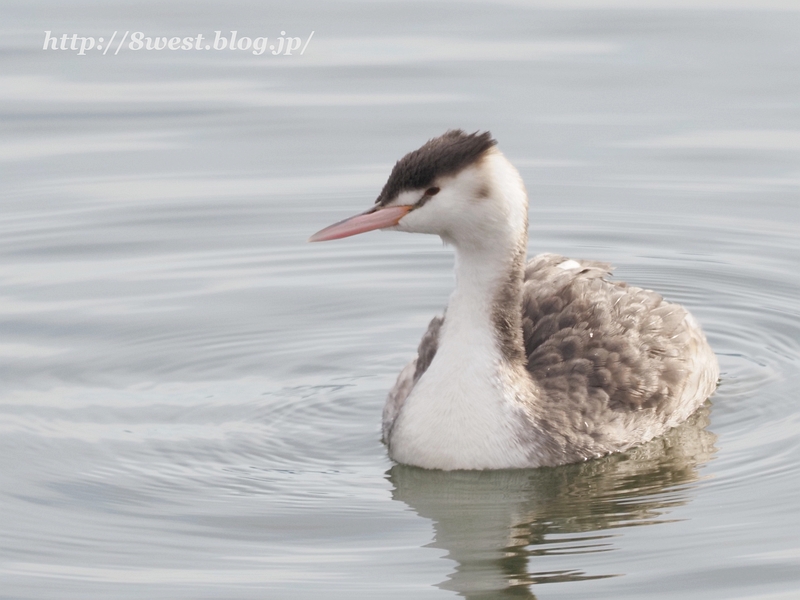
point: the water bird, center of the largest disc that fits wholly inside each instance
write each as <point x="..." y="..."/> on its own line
<point x="533" y="364"/>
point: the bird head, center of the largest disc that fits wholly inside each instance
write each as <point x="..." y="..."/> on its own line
<point x="453" y="186"/>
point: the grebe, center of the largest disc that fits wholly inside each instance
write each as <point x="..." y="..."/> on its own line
<point x="532" y="365"/>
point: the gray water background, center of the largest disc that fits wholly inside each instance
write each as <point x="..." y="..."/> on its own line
<point x="190" y="394"/>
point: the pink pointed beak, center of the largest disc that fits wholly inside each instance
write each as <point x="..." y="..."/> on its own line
<point x="372" y="219"/>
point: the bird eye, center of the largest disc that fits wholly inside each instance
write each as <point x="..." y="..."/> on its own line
<point x="432" y="191"/>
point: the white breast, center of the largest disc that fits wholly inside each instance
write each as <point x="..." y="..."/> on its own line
<point x="462" y="413"/>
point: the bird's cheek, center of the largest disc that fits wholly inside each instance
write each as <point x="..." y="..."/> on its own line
<point x="421" y="221"/>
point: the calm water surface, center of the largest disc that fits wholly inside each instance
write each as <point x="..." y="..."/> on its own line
<point x="190" y="394"/>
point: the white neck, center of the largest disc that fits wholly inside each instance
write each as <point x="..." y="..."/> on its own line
<point x="479" y="279"/>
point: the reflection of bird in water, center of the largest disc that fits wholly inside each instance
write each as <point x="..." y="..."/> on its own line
<point x="509" y="530"/>
<point x="534" y="365"/>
